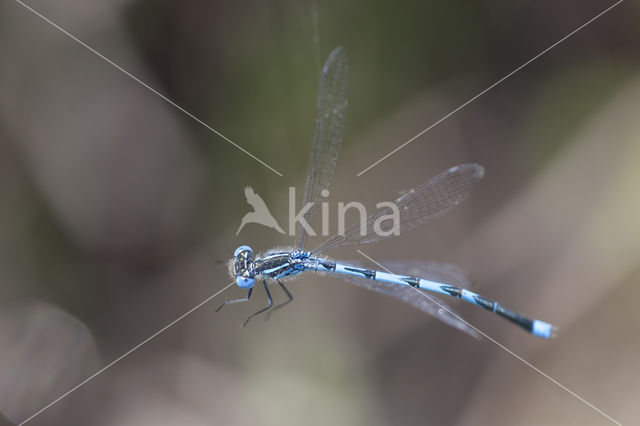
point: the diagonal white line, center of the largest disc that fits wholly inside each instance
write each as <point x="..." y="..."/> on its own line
<point x="124" y="355"/>
<point x="145" y="85"/>
<point x="515" y="355"/>
<point x="490" y="87"/>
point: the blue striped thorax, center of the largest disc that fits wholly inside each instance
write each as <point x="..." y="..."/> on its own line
<point x="274" y="264"/>
<point x="280" y="264"/>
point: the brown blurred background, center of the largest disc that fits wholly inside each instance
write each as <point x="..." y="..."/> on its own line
<point x="115" y="207"/>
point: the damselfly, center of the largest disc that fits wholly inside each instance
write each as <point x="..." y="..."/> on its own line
<point x="403" y="280"/>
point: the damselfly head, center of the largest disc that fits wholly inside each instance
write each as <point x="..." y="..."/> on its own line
<point x="243" y="252"/>
<point x="242" y="266"/>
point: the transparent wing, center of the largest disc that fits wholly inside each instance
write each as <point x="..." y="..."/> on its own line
<point x="422" y="300"/>
<point x="416" y="207"/>
<point x="331" y="109"/>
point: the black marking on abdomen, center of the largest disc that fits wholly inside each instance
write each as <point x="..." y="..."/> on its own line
<point x="484" y="302"/>
<point x="413" y="282"/>
<point x="452" y="290"/>
<point x="523" y="322"/>
<point x="367" y="273"/>
<point x="327" y="265"/>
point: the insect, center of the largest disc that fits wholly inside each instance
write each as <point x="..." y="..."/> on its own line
<point x="406" y="281"/>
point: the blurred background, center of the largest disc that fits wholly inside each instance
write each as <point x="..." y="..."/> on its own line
<point x="116" y="208"/>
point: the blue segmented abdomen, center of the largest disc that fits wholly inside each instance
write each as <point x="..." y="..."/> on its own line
<point x="536" y="327"/>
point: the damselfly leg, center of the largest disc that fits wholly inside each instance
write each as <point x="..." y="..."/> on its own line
<point x="270" y="301"/>
<point x="289" y="299"/>
<point x="229" y="302"/>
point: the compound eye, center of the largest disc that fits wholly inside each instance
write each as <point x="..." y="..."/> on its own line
<point x="243" y="249"/>
<point x="244" y="282"/>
